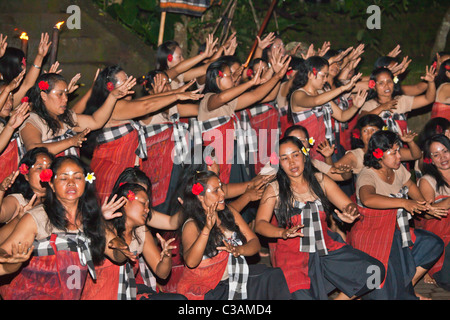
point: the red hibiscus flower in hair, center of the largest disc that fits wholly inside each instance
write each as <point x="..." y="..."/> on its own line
<point x="274" y="159"/>
<point x="220" y="74"/>
<point x="289" y="72"/>
<point x="24" y="99"/>
<point x="131" y="196"/>
<point x="434" y="65"/>
<point x="356" y="134"/>
<point x="170" y="57"/>
<point x="46" y="175"/>
<point x="24" y="62"/>
<point x="427" y="160"/>
<point x="43" y="85"/>
<point x="314" y="71"/>
<point x="23" y="169"/>
<point x="110" y="86"/>
<point x="197" y="188"/>
<point x="447" y="67"/>
<point x="378" y="153"/>
<point x="249" y="72"/>
<point x="371" y="84"/>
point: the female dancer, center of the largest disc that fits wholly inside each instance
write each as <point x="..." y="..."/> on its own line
<point x="383" y="189"/>
<point x="312" y="262"/>
<point x="215" y="240"/>
<point x="435" y="187"/>
<point x="441" y="106"/>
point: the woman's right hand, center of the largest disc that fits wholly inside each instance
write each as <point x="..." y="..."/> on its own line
<point x="390" y="105"/>
<point x="292" y="232"/>
<point x="19" y="253"/>
<point x="352" y="82"/>
<point x="120" y="245"/>
<point x="109" y="209"/>
<point x="211" y="215"/>
<point x="77" y="140"/>
<point x="413" y="206"/>
<point x="9" y="181"/>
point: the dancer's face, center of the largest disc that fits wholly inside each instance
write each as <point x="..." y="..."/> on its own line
<point x="291" y="159"/>
<point x="391" y="158"/>
<point x="55" y="101"/>
<point x="214" y="193"/>
<point x="137" y="210"/>
<point x="42" y="162"/>
<point x="367" y="132"/>
<point x="384" y="85"/>
<point x="226" y="82"/>
<point x="440" y="156"/>
<point x="177" y="57"/>
<point x="318" y="81"/>
<point x="69" y="181"/>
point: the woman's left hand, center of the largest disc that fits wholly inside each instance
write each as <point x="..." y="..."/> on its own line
<point x="349" y="214"/>
<point x="429" y="74"/>
<point x="166" y="248"/>
<point x="119" y="244"/>
<point x="124" y="89"/>
<point x="19" y="253"/>
<point x="234" y="250"/>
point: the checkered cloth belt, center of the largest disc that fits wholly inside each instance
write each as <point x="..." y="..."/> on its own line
<point x="389" y="118"/>
<point x="127" y="283"/>
<point x="343" y="104"/>
<point x="238" y="273"/>
<point x="180" y="130"/>
<point x="323" y="110"/>
<point x="207" y="125"/>
<point x="114" y="133"/>
<point x="20" y="144"/>
<point x="403" y="218"/>
<point x="313" y="239"/>
<point x="75" y="242"/>
<point x="68" y="134"/>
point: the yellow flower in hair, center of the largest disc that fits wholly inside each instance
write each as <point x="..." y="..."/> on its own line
<point x="90" y="177"/>
<point x="305" y="151"/>
<point x="395" y="79"/>
<point x="385" y="128"/>
<point x="311" y="141"/>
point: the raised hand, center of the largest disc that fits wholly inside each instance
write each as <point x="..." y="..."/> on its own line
<point x="190" y="95"/>
<point x="16" y="82"/>
<point x="210" y="48"/>
<point x="72" y="86"/>
<point x="19" y="115"/>
<point x="407" y="136"/>
<point x="44" y="44"/>
<point x="360" y="98"/>
<point x="325" y="149"/>
<point x="267" y="41"/>
<point x="8" y="181"/>
<point x="77" y="140"/>
<point x="429" y="74"/>
<point x="109" y="209"/>
<point x="352" y="82"/>
<point x="166" y="248"/>
<point x="3" y="44"/>
<point x="395" y="52"/>
<point x="54" y="68"/>
<point x="125" y="88"/>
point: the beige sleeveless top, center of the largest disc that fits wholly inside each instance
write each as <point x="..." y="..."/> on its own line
<point x="444" y="191"/>
<point x="359" y="155"/>
<point x="225" y="110"/>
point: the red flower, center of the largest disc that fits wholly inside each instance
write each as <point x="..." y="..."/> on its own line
<point x="110" y="86"/>
<point x="447" y="67"/>
<point x="314" y="71"/>
<point x="43" y="85"/>
<point x="427" y="160"/>
<point x="372" y="84"/>
<point x="274" y="159"/>
<point x="121" y="184"/>
<point x="289" y="72"/>
<point x="356" y="134"/>
<point x="24" y="99"/>
<point x="197" y="188"/>
<point x="434" y="65"/>
<point x="209" y="161"/>
<point x="378" y="153"/>
<point x="249" y="72"/>
<point x="24" y="62"/>
<point x="170" y="57"/>
<point x="131" y="196"/>
<point x="46" y="175"/>
<point x="23" y="169"/>
<point x="220" y="74"/>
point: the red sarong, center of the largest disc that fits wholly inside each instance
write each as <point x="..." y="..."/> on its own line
<point x="110" y="159"/>
<point x="159" y="163"/>
<point x="316" y="129"/>
<point x="9" y="160"/>
<point x="441" y="110"/>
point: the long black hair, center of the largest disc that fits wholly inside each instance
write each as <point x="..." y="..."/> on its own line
<point x="21" y="185"/>
<point x="88" y="210"/>
<point x="286" y="196"/>
<point x="442" y="73"/>
<point x="430" y="168"/>
<point x="212" y="73"/>
<point x="11" y="63"/>
<point x="192" y="209"/>
<point x="163" y="52"/>
<point x="39" y="107"/>
<point x="434" y="126"/>
<point x="118" y="223"/>
<point x="383" y="140"/>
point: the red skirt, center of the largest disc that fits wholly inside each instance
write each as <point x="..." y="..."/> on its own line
<point x="316" y="129"/>
<point x="440" y="228"/>
<point x="195" y="283"/>
<point x="9" y="160"/>
<point x="224" y="147"/>
<point x="441" y="110"/>
<point x="159" y="163"/>
<point x="110" y="159"/>
<point x="264" y="124"/>
<point x="46" y="278"/>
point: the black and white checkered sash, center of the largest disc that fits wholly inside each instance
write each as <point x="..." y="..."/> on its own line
<point x="214" y="123"/>
<point x="75" y="242"/>
<point x="323" y="110"/>
<point x="179" y="136"/>
<point x="68" y="134"/>
<point x="403" y="218"/>
<point x="20" y="145"/>
<point x="127" y="283"/>
<point x="238" y="273"/>
<point x="389" y="118"/>
<point x="343" y="104"/>
<point x="313" y="239"/>
<point x="113" y="133"/>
